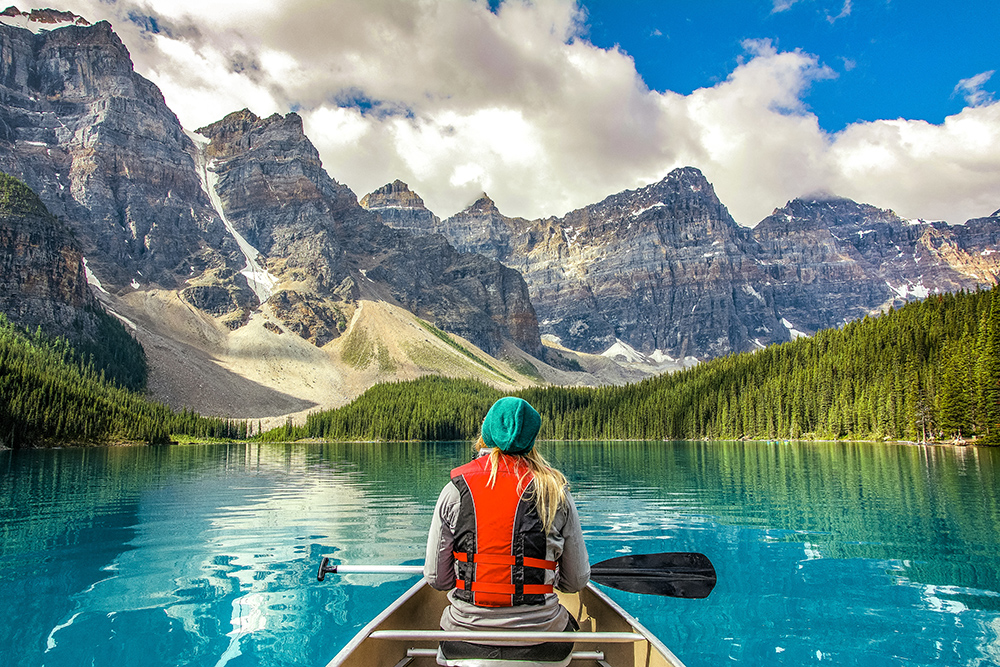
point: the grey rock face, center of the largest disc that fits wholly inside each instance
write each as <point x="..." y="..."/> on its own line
<point x="401" y="208"/>
<point x="42" y="277"/>
<point x="318" y="238"/>
<point x="98" y="144"/>
<point x="662" y="268"/>
<point x="831" y="260"/>
<point x="665" y="268"/>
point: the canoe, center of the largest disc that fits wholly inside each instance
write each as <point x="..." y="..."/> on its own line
<point x="407" y="633"/>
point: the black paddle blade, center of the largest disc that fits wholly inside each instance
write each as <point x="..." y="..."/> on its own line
<point x="677" y="575"/>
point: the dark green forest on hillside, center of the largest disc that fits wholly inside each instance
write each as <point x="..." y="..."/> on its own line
<point x="927" y="371"/>
<point x="50" y="393"/>
<point x="111" y="348"/>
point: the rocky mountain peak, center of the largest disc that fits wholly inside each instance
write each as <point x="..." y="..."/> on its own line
<point x="684" y="188"/>
<point x="823" y="211"/>
<point x="483" y="206"/>
<point x="689" y="176"/>
<point x="98" y="144"/>
<point x="274" y="134"/>
<point x="237" y="121"/>
<point x="317" y="240"/>
<point x="393" y="195"/>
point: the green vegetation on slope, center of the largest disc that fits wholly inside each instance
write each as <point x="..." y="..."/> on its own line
<point x="431" y="408"/>
<point x="109" y="347"/>
<point x="116" y="352"/>
<point x="49" y="395"/>
<point x="930" y="370"/>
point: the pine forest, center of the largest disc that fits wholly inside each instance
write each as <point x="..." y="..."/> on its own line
<point x="51" y="393"/>
<point x="929" y="371"/>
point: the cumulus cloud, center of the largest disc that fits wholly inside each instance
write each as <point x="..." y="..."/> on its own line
<point x="947" y="172"/>
<point x="455" y="98"/>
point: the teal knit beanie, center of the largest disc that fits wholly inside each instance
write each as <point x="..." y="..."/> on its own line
<point x="511" y="425"/>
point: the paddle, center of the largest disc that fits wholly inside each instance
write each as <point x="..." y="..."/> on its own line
<point x="678" y="575"/>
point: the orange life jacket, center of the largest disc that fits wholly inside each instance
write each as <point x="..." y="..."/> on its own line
<point x="499" y="538"/>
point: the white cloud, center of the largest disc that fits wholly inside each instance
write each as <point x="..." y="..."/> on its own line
<point x="455" y="99"/>
<point x="845" y="11"/>
<point x="949" y="171"/>
<point x="782" y="5"/>
<point x="972" y="89"/>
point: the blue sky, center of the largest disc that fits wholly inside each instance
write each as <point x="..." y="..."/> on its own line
<point x="890" y="58"/>
<point x="551" y="105"/>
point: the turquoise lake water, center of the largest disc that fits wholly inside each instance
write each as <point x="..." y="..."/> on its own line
<point x="827" y="553"/>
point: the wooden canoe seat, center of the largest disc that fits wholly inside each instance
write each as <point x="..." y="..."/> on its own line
<point x="486" y="637"/>
<point x="591" y="656"/>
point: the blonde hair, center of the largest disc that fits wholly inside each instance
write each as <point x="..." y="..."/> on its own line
<point x="550" y="484"/>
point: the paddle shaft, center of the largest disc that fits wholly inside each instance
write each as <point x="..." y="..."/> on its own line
<point x="680" y="574"/>
<point x="368" y="569"/>
<point x="596" y="570"/>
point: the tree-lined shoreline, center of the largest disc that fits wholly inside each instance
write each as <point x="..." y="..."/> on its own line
<point x="927" y="372"/>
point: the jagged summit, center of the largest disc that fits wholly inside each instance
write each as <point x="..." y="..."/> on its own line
<point x="393" y="195"/>
<point x="483" y="206"/>
<point x="241" y="119"/>
<point x="684" y="183"/>
<point x="40" y="19"/>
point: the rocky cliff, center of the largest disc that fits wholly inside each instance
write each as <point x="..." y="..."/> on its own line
<point x="97" y="142"/>
<point x="327" y="251"/>
<point x="655" y="274"/>
<point x="831" y="260"/>
<point x="401" y="208"/>
<point x="42" y="276"/>
<point x="663" y="272"/>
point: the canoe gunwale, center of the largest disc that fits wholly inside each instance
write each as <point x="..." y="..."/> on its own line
<point x="364" y="633"/>
<point x="653" y="640"/>
<point x="371" y="630"/>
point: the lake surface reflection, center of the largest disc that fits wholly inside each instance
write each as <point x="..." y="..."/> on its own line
<point x="839" y="553"/>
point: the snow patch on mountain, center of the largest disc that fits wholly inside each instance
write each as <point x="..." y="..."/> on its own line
<point x="636" y="214"/>
<point x="40" y="20"/>
<point x="919" y="290"/>
<point x="792" y="331"/>
<point x="622" y="351"/>
<point x="260" y="281"/>
<point x="750" y="291"/>
<point x="92" y="279"/>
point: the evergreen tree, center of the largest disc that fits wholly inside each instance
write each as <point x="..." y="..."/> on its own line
<point x="989" y="372"/>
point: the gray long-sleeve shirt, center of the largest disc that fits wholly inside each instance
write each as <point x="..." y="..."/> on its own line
<point x="564" y="544"/>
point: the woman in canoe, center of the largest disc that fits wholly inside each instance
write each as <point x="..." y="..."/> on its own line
<point x="504" y="535"/>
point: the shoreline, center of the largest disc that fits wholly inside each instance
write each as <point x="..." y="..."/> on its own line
<point x="181" y="440"/>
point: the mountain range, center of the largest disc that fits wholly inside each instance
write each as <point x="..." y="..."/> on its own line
<point x="663" y="274"/>
<point x="261" y="287"/>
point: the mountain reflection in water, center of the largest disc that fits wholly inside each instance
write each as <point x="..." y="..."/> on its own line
<point x="849" y="553"/>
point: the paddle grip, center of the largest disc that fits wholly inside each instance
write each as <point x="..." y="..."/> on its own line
<point x="324" y="568"/>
